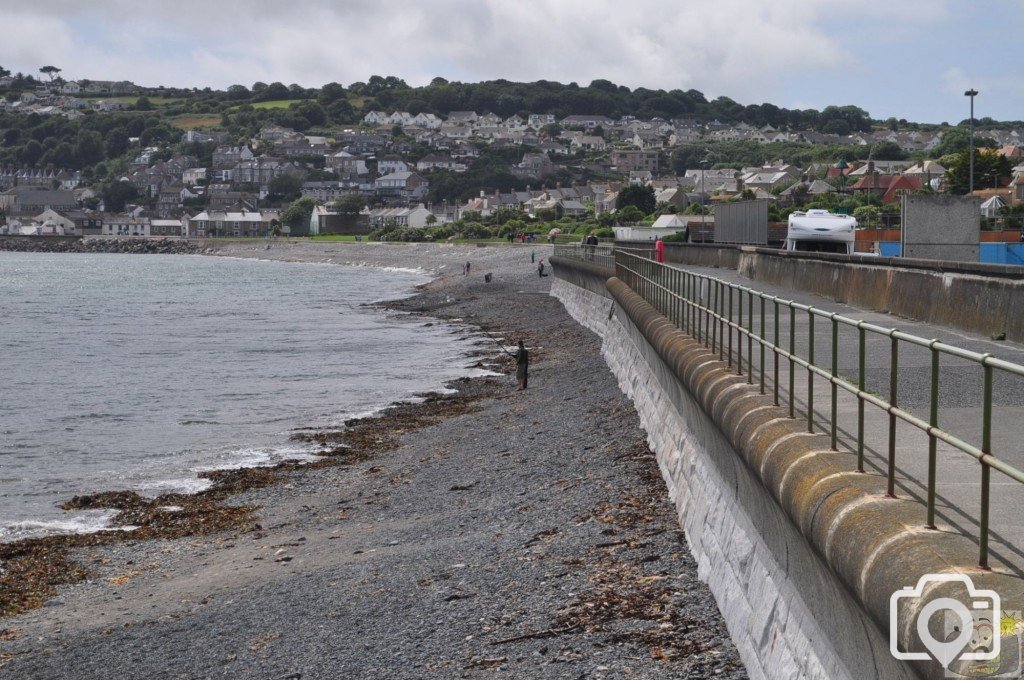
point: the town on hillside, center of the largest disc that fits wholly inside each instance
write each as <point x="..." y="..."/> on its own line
<point x="112" y="159"/>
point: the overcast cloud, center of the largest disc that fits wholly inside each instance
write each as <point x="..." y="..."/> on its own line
<point x="904" y="59"/>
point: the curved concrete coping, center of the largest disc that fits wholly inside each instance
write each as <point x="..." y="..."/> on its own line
<point x="874" y="545"/>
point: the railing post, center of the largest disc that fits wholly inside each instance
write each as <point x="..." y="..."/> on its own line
<point x="763" y="336"/>
<point x="739" y="333"/>
<point x="810" y="372"/>
<point x="730" y="327"/>
<point x="835" y="374"/>
<point x="893" y="386"/>
<point x="701" y="311"/>
<point x="792" y="363"/>
<point x="933" y="421"/>
<point x="862" y="385"/>
<point x="775" y="350"/>
<point x="986" y="450"/>
<point x="687" y="299"/>
<point x="721" y="321"/>
<point x="750" y="337"/>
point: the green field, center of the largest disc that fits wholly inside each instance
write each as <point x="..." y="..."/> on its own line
<point x="131" y="101"/>
<point x="195" y="121"/>
<point x="276" y="104"/>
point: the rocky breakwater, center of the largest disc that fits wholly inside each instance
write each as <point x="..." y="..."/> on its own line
<point x="57" y="244"/>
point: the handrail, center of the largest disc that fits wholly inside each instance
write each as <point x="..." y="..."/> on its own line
<point x="703" y="306"/>
<point x="600" y="254"/>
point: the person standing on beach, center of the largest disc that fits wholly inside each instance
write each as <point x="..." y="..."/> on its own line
<point x="465" y="271"/>
<point x="522" y="365"/>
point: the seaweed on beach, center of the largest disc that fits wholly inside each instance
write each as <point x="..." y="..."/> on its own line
<point x="32" y="569"/>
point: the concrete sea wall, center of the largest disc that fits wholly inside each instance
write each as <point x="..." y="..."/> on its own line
<point x="800" y="550"/>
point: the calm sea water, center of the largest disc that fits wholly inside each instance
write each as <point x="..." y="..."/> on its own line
<point x="136" y="372"/>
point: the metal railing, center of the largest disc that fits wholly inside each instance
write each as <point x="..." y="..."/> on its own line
<point x="722" y="315"/>
<point x="599" y="254"/>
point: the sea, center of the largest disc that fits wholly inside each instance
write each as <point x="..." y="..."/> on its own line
<point x="139" y="371"/>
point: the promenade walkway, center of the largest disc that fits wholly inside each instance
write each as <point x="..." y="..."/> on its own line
<point x="960" y="410"/>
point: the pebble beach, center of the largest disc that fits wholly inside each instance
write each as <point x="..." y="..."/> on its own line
<point x="479" y="532"/>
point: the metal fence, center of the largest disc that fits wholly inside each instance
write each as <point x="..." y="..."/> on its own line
<point x="599" y="254"/>
<point x="725" y="316"/>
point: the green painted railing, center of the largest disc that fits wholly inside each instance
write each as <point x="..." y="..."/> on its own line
<point x="599" y="254"/>
<point x="724" y="316"/>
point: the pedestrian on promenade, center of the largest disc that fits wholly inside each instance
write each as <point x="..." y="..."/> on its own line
<point x="659" y="250"/>
<point x="522" y="365"/>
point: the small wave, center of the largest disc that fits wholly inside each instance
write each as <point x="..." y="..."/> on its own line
<point x="198" y="421"/>
<point x="88" y="522"/>
<point x="246" y="458"/>
<point x="185" y="485"/>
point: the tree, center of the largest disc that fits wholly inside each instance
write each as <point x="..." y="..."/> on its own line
<point x="958" y="139"/>
<point x="143" y="104"/>
<point x="89" y="148"/>
<point x="990" y="170"/>
<point x="31" y="152"/>
<point x="116" y="194"/>
<point x="431" y="219"/>
<point x="50" y="71"/>
<point x="868" y="216"/>
<point x="629" y="214"/>
<point x="350" y="204"/>
<point x="641" y="197"/>
<point x="4" y="72"/>
<point x="332" y="92"/>
<point x="115" y="142"/>
<point x="887" y="151"/>
<point x="285" y="187"/>
<point x="297" y="214"/>
<point x="237" y="92"/>
<point x="274" y="91"/>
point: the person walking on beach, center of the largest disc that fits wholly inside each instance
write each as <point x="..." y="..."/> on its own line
<point x="522" y="365"/>
<point x="465" y="270"/>
<point x="540" y="268"/>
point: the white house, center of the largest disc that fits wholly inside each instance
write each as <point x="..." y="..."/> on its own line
<point x="375" y="118"/>
<point x="388" y="165"/>
<point x="427" y="120"/>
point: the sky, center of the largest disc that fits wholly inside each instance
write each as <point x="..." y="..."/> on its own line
<point x="909" y="59"/>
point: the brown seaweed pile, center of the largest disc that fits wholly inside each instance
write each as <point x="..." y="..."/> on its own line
<point x="31" y="569"/>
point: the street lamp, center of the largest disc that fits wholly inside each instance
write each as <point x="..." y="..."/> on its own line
<point x="703" y="198"/>
<point x="972" y="93"/>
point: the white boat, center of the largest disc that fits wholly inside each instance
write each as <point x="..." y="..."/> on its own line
<point x="821" y="231"/>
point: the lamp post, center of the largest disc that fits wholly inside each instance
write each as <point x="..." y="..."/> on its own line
<point x="972" y="93"/>
<point x="703" y="197"/>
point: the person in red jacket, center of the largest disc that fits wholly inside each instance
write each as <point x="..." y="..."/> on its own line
<point x="659" y="250"/>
